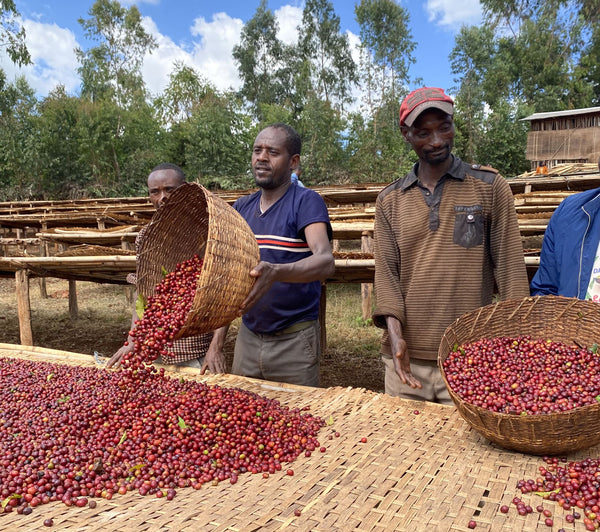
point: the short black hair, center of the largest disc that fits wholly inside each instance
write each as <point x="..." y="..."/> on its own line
<point x="169" y="166"/>
<point x="293" y="142"/>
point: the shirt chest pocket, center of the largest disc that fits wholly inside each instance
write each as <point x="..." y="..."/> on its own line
<point x="468" y="225"/>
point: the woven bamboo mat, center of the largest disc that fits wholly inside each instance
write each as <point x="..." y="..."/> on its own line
<point x="425" y="471"/>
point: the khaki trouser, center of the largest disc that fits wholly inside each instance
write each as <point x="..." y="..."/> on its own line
<point x="290" y="357"/>
<point x="427" y="373"/>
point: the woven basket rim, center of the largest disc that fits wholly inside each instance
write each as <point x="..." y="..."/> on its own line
<point x="557" y="316"/>
<point x="194" y="221"/>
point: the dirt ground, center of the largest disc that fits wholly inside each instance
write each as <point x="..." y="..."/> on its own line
<point x="350" y="358"/>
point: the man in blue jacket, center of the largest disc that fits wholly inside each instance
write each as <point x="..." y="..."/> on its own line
<point x="570" y="257"/>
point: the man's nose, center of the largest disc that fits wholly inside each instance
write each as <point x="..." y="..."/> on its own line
<point x="437" y="139"/>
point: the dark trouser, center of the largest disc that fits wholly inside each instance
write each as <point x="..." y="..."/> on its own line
<point x="292" y="357"/>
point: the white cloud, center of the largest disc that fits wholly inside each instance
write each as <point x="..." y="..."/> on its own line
<point x="453" y="14"/>
<point x="159" y="64"/>
<point x="53" y="56"/>
<point x="207" y="48"/>
<point x="212" y="53"/>
<point x="288" y="18"/>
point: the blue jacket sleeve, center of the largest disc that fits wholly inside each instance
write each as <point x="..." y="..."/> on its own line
<point x="546" y="281"/>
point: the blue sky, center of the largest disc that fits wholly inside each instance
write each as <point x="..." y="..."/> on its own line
<point x="202" y="34"/>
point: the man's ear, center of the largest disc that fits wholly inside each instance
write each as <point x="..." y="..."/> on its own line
<point x="295" y="161"/>
<point x="404" y="131"/>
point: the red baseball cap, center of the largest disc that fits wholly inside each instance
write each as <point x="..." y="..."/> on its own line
<point x="421" y="99"/>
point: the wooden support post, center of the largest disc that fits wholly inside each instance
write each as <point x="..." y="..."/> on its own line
<point x="42" y="280"/>
<point x="335" y="245"/>
<point x="44" y="251"/>
<point x="129" y="289"/>
<point x="24" y="307"/>
<point x="366" y="289"/>
<point x="101" y="224"/>
<point x="322" y="316"/>
<point x="73" y="310"/>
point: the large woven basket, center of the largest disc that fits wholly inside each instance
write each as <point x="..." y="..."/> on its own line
<point x="195" y="221"/>
<point x="555" y="318"/>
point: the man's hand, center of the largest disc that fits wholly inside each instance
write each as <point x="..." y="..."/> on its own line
<point x="265" y="274"/>
<point x="115" y="360"/>
<point x="401" y="361"/>
<point x="400" y="355"/>
<point x="214" y="360"/>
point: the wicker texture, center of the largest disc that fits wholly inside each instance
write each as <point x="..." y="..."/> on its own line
<point x="562" y="319"/>
<point x="417" y="472"/>
<point x="195" y="221"/>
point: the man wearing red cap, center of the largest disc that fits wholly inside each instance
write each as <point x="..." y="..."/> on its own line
<point x="446" y="235"/>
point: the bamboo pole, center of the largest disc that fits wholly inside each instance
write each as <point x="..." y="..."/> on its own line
<point x="129" y="290"/>
<point x="73" y="308"/>
<point x="24" y="307"/>
<point x="42" y="279"/>
<point x="366" y="289"/>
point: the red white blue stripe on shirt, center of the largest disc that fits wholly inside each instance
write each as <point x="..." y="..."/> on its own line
<point x="294" y="245"/>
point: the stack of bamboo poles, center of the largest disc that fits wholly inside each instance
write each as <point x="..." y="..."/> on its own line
<point x="565" y="169"/>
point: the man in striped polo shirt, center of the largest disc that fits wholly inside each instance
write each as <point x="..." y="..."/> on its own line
<point x="279" y="338"/>
<point x="445" y="235"/>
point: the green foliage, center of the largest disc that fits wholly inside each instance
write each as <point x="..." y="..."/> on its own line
<point x="61" y="172"/>
<point x="528" y="57"/>
<point x="111" y="70"/>
<point x="328" y="66"/>
<point x="503" y="131"/>
<point x="218" y="117"/>
<point x="323" y="156"/>
<point x="18" y="150"/>
<point x="12" y="34"/>
<point x="386" y="37"/>
<point x="266" y="66"/>
<point x="186" y="88"/>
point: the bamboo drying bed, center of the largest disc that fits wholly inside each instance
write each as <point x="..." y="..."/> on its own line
<point x="107" y="237"/>
<point x="425" y="471"/>
<point x="97" y="268"/>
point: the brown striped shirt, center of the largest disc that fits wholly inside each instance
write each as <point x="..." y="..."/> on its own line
<point x="439" y="255"/>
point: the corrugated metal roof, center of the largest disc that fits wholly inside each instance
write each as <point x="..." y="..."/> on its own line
<point x="570" y="112"/>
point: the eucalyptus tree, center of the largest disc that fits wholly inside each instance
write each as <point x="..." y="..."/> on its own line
<point x="112" y="83"/>
<point x="265" y="64"/>
<point x="112" y="68"/>
<point x="18" y="145"/>
<point x="387" y="50"/>
<point x="12" y="34"/>
<point x="185" y="89"/>
<point x="326" y="55"/>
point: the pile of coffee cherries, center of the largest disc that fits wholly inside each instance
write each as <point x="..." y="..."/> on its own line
<point x="523" y="375"/>
<point x="164" y="316"/>
<point x="575" y="486"/>
<point x="69" y="433"/>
